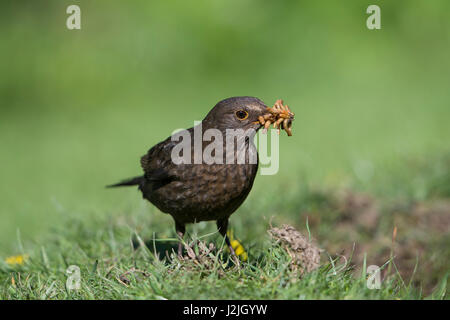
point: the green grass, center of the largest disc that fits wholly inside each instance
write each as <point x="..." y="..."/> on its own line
<point x="104" y="251"/>
<point x="108" y="247"/>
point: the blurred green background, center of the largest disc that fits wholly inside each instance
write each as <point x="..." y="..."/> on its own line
<point x="79" y="107"/>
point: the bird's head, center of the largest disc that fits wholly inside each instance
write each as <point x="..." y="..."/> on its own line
<point x="248" y="113"/>
<point x="236" y="113"/>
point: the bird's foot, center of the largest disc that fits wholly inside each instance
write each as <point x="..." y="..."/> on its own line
<point x="234" y="257"/>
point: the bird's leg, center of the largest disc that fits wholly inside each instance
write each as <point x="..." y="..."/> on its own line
<point x="222" y="225"/>
<point x="180" y="229"/>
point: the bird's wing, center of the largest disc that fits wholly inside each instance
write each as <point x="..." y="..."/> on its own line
<point x="159" y="167"/>
<point x="157" y="163"/>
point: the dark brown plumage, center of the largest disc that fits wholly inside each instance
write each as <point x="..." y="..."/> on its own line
<point x="201" y="192"/>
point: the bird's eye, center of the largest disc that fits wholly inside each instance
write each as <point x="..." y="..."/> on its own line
<point x="241" y="114"/>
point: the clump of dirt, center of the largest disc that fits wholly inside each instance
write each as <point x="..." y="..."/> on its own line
<point x="359" y="208"/>
<point x="434" y="216"/>
<point x="424" y="235"/>
<point x="360" y="225"/>
<point x="304" y="254"/>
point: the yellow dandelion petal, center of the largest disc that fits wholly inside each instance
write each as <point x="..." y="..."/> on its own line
<point x="239" y="250"/>
<point x="16" y="260"/>
<point x="235" y="244"/>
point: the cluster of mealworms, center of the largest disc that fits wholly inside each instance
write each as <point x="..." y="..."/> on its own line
<point x="281" y="117"/>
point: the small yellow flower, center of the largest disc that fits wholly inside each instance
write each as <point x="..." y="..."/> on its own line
<point x="17" y="260"/>
<point x="237" y="246"/>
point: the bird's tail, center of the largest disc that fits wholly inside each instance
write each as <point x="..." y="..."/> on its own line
<point x="128" y="182"/>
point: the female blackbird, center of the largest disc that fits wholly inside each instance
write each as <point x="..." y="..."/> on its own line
<point x="202" y="191"/>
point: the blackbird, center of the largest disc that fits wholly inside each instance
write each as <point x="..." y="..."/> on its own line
<point x="194" y="192"/>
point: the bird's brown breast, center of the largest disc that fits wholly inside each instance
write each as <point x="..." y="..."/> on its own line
<point x="204" y="192"/>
